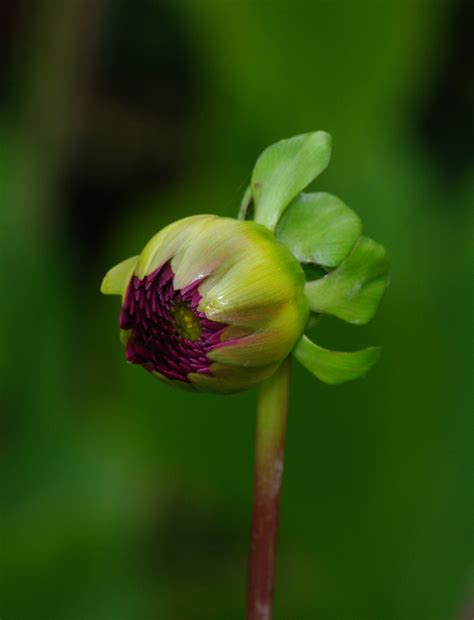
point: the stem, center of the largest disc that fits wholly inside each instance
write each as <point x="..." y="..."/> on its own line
<point x="270" y="445"/>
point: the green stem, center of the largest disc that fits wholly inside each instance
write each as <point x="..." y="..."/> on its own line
<point x="270" y="445"/>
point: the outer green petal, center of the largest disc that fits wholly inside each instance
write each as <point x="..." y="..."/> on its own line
<point x="335" y="367"/>
<point x="353" y="291"/>
<point x="266" y="276"/>
<point x="116" y="280"/>
<point x="319" y="228"/>
<point x="250" y="283"/>
<point x="244" y="321"/>
<point x="231" y="379"/>
<point x="283" y="170"/>
<point x="266" y="345"/>
<point x="165" y="244"/>
<point x="216" y="243"/>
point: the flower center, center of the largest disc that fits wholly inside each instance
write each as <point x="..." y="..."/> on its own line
<point x="166" y="331"/>
<point x="187" y="323"/>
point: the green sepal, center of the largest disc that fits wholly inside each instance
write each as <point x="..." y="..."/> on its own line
<point x="335" y="367"/>
<point x="352" y="292"/>
<point x="283" y="170"/>
<point x="319" y="228"/>
<point x="116" y="280"/>
<point x="230" y="379"/>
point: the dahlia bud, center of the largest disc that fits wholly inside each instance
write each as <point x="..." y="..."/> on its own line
<point x="216" y="304"/>
<point x="212" y="304"/>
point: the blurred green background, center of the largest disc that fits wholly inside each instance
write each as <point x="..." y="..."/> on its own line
<point x="121" y="499"/>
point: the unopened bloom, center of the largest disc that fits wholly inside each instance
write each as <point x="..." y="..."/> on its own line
<point x="216" y="304"/>
<point x="211" y="303"/>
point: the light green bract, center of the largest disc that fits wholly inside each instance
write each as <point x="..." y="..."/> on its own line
<point x="254" y="283"/>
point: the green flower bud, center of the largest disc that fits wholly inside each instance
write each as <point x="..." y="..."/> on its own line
<point x="211" y="303"/>
<point x="216" y="304"/>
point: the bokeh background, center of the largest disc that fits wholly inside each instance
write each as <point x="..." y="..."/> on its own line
<point x="122" y="499"/>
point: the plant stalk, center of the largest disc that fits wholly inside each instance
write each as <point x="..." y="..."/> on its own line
<point x="270" y="444"/>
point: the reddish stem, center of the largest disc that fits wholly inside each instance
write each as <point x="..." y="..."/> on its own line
<point x="271" y="427"/>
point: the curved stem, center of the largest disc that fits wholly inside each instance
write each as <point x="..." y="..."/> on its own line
<point x="271" y="428"/>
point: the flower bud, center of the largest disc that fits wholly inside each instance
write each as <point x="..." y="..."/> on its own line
<point x="212" y="303"/>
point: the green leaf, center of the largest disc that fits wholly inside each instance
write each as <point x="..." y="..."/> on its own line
<point x="353" y="291"/>
<point x="335" y="367"/>
<point x="319" y="228"/>
<point x="283" y="170"/>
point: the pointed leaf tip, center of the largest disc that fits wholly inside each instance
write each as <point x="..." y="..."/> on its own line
<point x="116" y="280"/>
<point x="334" y="367"/>
<point x="283" y="170"/>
